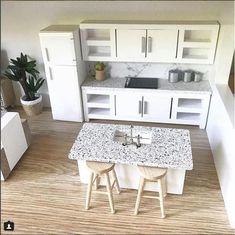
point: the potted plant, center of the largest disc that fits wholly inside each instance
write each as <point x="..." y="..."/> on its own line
<point x="99" y="71"/>
<point x="23" y="71"/>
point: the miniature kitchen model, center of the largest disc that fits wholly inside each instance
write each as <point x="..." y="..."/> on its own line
<point x="181" y="97"/>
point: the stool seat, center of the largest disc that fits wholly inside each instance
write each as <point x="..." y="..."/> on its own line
<point x="99" y="167"/>
<point x="152" y="173"/>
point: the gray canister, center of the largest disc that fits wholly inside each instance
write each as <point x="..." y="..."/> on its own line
<point x="197" y="77"/>
<point x="188" y="76"/>
<point x="173" y="75"/>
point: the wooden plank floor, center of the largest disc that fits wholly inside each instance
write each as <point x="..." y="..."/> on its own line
<point x="43" y="194"/>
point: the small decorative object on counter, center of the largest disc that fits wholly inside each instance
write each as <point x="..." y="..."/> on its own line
<point x="173" y="75"/>
<point x="197" y="76"/>
<point x="99" y="71"/>
<point x="187" y="77"/>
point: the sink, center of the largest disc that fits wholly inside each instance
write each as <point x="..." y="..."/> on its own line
<point x="146" y="137"/>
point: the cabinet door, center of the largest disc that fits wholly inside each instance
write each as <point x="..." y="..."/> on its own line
<point x="64" y="92"/>
<point x="128" y="106"/>
<point x="156" y="108"/>
<point x="58" y="48"/>
<point x="131" y="45"/>
<point x="161" y="45"/>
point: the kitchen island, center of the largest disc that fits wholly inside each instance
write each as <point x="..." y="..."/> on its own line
<point x="165" y="147"/>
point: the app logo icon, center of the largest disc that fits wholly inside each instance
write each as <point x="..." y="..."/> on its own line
<point x="9" y="226"/>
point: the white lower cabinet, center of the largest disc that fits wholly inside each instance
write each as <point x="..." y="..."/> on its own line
<point x="98" y="104"/>
<point x="190" y="109"/>
<point x="128" y="106"/>
<point x="162" y="107"/>
<point x="138" y="107"/>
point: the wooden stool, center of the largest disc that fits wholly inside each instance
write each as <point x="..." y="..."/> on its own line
<point x="151" y="174"/>
<point x="98" y="169"/>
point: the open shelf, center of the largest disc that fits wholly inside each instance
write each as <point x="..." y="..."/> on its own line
<point x="195" y="53"/>
<point x="197" y="36"/>
<point x="194" y="117"/>
<point x="98" y="101"/>
<point x="98" y="112"/>
<point x="96" y="98"/>
<point x="98" y="34"/>
<point x="190" y="103"/>
<point x="99" y="51"/>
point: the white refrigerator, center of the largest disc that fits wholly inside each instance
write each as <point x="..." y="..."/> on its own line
<point x="65" y="70"/>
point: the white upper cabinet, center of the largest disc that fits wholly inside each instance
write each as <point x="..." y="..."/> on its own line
<point x="197" y="44"/>
<point x="163" y="42"/>
<point x="98" y="44"/>
<point x="131" y="45"/>
<point x="146" y="45"/>
<point x="161" y="45"/>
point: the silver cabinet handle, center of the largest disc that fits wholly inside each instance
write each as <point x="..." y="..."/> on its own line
<point x="47" y="54"/>
<point x="50" y="72"/>
<point x="115" y="105"/>
<point x="149" y="44"/>
<point x="145" y="107"/>
<point x="140" y="107"/>
<point x="143" y="44"/>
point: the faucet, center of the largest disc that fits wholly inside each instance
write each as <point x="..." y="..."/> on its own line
<point x="131" y="134"/>
<point x="131" y="140"/>
<point x="138" y="144"/>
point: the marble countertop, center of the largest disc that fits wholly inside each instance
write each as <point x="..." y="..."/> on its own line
<point x="170" y="148"/>
<point x="202" y="87"/>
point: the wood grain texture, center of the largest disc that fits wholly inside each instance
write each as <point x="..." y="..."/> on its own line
<point x="43" y="194"/>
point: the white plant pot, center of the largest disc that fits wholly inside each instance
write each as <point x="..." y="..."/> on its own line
<point x="33" y="107"/>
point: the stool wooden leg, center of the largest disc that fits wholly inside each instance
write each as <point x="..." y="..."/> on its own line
<point x="89" y="188"/>
<point x="110" y="195"/>
<point x="97" y="181"/>
<point x="161" y="198"/>
<point x="164" y="186"/>
<point x="140" y="192"/>
<point x="116" y="181"/>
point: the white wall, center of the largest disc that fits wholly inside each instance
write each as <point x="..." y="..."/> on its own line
<point x="221" y="134"/>
<point x="22" y="20"/>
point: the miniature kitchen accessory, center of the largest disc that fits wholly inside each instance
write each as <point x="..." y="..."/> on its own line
<point x="173" y="75"/>
<point x="197" y="76"/>
<point x="187" y="75"/>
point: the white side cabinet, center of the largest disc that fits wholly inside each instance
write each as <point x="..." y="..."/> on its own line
<point x="143" y="107"/>
<point x="190" y="109"/>
<point x="64" y="70"/>
<point x="98" y="104"/>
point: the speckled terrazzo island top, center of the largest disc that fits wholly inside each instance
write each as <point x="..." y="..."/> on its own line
<point x="169" y="148"/>
<point x="202" y="87"/>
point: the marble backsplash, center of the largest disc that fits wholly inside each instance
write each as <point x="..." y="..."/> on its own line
<point x="159" y="70"/>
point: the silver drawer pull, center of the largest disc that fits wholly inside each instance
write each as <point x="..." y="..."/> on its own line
<point x="140" y="107"/>
<point x="143" y="44"/>
<point x="149" y="44"/>
<point x="145" y="107"/>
